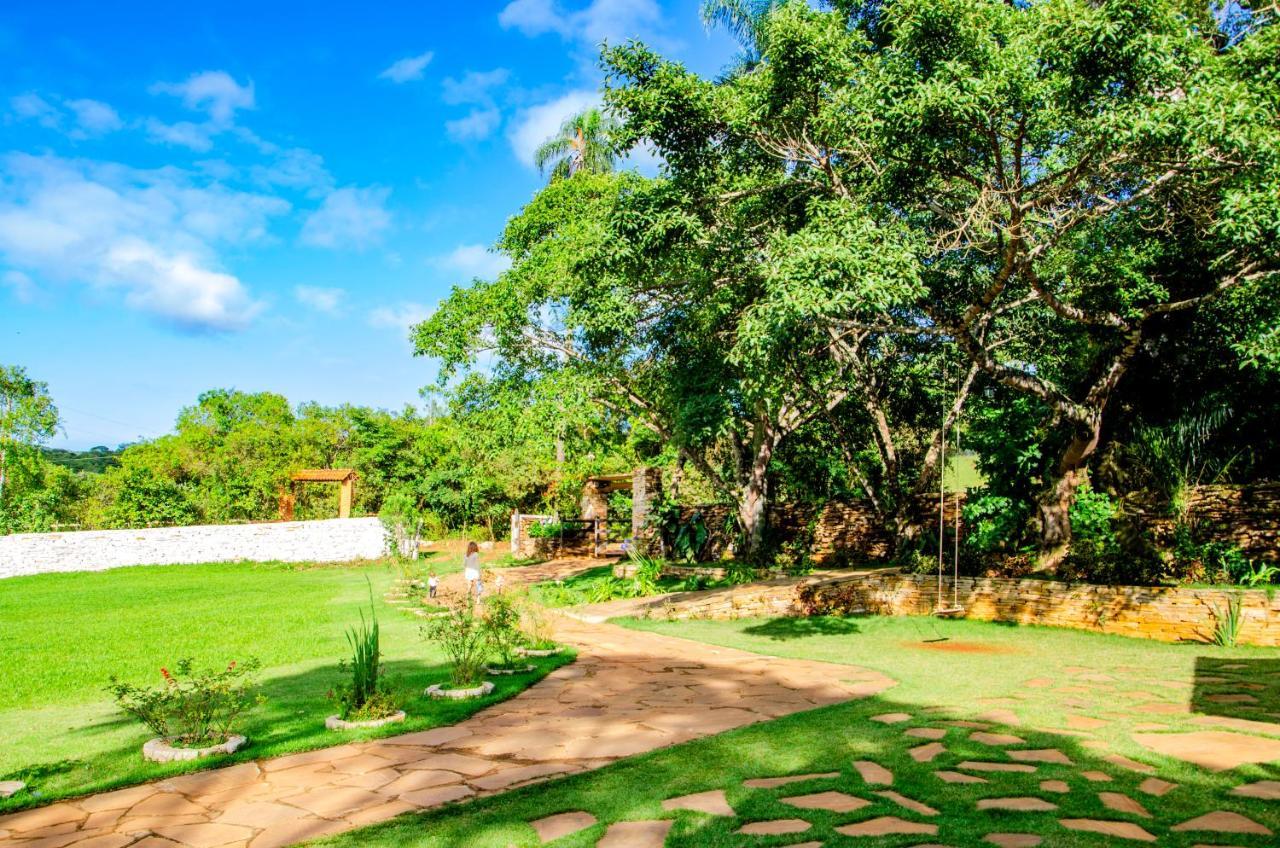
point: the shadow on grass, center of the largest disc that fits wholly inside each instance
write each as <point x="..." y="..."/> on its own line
<point x="1237" y="687"/>
<point x="830" y="740"/>
<point x="800" y="628"/>
<point x="291" y="720"/>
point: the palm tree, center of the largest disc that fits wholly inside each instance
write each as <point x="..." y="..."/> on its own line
<point x="582" y="144"/>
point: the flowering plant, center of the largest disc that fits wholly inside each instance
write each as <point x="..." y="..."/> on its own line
<point x="193" y="707"/>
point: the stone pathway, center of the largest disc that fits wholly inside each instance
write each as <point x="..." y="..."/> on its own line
<point x="629" y="692"/>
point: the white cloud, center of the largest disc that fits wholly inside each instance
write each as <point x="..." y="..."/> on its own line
<point x="408" y="69"/>
<point x="150" y="238"/>
<point x="475" y="125"/>
<point x="33" y="107"/>
<point x="532" y="126"/>
<point x="614" y="20"/>
<point x="95" y="117"/>
<point x="474" y="87"/>
<point x="318" y="298"/>
<point x="349" y="217"/>
<point x="22" y="286"/>
<point x="296" y="168"/>
<point x="198" y="137"/>
<point x="215" y="93"/>
<point x="402" y="316"/>
<point x="475" y="260"/>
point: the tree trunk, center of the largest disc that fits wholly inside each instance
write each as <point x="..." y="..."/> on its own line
<point x="1054" y="507"/>
<point x="754" y="501"/>
<point x="4" y="456"/>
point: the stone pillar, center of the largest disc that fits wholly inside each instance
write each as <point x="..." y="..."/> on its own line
<point x="646" y="491"/>
<point x="595" y="499"/>
<point x="346" y="493"/>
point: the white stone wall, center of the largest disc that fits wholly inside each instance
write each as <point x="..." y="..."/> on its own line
<point x="334" y="540"/>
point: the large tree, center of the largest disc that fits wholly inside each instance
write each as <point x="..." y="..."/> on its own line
<point x="1063" y="177"/>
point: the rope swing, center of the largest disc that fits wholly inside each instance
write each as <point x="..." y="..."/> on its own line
<point x="955" y="608"/>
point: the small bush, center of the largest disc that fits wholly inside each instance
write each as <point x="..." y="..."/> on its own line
<point x="501" y="622"/>
<point x="461" y="635"/>
<point x="366" y="696"/>
<point x="193" y="708"/>
<point x="535" y="627"/>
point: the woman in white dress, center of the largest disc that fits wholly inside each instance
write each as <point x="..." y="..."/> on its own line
<point x="471" y="567"/>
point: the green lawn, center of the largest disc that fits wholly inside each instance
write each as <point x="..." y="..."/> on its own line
<point x="979" y="668"/>
<point x="63" y="635"/>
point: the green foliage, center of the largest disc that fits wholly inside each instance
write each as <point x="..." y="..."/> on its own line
<point x="461" y="634"/>
<point x="192" y="707"/>
<point x="1226" y="623"/>
<point x="501" y="622"/>
<point x="549" y="529"/>
<point x="991" y="522"/>
<point x="364" y="696"/>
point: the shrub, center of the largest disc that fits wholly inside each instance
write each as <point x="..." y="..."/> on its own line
<point x="461" y="635"/>
<point x="991" y="522"/>
<point x="1226" y="623"/>
<point x="193" y="708"/>
<point x="502" y="628"/>
<point x="366" y="697"/>
<point x="535" y="627"/>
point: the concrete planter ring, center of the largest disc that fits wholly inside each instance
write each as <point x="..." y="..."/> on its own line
<point x="334" y="722"/>
<point x="160" y="750"/>
<point x="438" y="691"/>
<point x="491" y="669"/>
<point x="539" y="652"/>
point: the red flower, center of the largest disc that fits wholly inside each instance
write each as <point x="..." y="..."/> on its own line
<point x="231" y="665"/>
<point x="164" y="671"/>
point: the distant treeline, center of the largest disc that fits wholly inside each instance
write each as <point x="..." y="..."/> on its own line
<point x="95" y="460"/>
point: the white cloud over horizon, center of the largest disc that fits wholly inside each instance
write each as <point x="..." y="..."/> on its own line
<point x="351" y="216"/>
<point x="148" y="237"/>
<point x="217" y="95"/>
<point x="475" y="125"/>
<point x="534" y="125"/>
<point x="408" y="69"/>
<point x="79" y="119"/>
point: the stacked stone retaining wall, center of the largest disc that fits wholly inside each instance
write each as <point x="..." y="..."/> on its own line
<point x="334" y="540"/>
<point x="1170" y="614"/>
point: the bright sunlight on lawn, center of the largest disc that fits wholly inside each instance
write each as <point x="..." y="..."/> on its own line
<point x="65" y="634"/>
<point x="1069" y="701"/>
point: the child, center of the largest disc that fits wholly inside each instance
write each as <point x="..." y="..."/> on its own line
<point x="433" y="583"/>
<point x="471" y="567"/>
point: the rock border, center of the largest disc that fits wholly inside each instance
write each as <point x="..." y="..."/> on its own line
<point x="535" y="652"/>
<point x="335" y="722"/>
<point x="159" y="750"/>
<point x="437" y="690"/>
<point x="9" y="788"/>
<point x="489" y="669"/>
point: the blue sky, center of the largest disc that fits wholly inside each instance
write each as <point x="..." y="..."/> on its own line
<point x="265" y="195"/>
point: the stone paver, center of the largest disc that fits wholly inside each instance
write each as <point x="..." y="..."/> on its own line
<point x="775" y="827"/>
<point x="712" y="803"/>
<point x="641" y="834"/>
<point x="1215" y="750"/>
<point x="1122" y="803"/>
<point x="886" y="826"/>
<point x="1013" y="840"/>
<point x="1268" y="790"/>
<point x="908" y="803"/>
<point x="629" y="692"/>
<point x="1118" y="829"/>
<point x="873" y="773"/>
<point x="775" y="782"/>
<point x="834" y="802"/>
<point x="1020" y="804"/>
<point x="1223" y="821"/>
<point x="562" y="824"/>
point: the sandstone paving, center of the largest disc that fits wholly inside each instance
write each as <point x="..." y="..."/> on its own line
<point x="562" y="824"/>
<point x="628" y="693"/>
<point x="775" y="782"/>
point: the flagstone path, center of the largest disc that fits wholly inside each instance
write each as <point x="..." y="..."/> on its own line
<point x="629" y="692"/>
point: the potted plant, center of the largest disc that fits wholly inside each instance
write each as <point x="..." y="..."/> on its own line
<point x="536" y="633"/>
<point x="193" y="713"/>
<point x="461" y="634"/>
<point x="501" y="623"/>
<point x="365" y="700"/>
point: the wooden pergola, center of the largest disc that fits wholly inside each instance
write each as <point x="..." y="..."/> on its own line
<point x="345" y="477"/>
